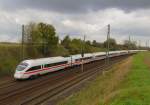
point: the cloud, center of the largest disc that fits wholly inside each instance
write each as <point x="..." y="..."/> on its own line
<point x="92" y="23"/>
<point x="74" y="6"/>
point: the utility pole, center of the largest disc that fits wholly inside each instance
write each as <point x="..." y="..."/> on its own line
<point x="139" y="44"/>
<point x="129" y="44"/>
<point x="108" y="42"/>
<point x="43" y="45"/>
<point x="82" y="53"/>
<point x="148" y="44"/>
<point x="22" y="52"/>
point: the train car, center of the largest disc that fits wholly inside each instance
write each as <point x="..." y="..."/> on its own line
<point x="34" y="67"/>
<point x="99" y="55"/>
<point x="88" y="58"/>
<point x="134" y="51"/>
<point x="123" y="52"/>
<point x="113" y="53"/>
<point x="76" y="59"/>
<point x="118" y="53"/>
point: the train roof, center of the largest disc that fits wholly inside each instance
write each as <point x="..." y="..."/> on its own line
<point x="77" y="56"/>
<point x="88" y="55"/>
<point x="45" y="60"/>
<point x="99" y="53"/>
<point x="120" y="51"/>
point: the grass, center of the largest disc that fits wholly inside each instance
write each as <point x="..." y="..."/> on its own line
<point x="125" y="84"/>
<point x="135" y="89"/>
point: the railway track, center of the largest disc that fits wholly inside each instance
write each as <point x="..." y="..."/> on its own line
<point x="52" y="92"/>
<point x="44" y="93"/>
<point x="58" y="88"/>
<point x="25" y="84"/>
<point x="6" y="84"/>
<point x="36" y="86"/>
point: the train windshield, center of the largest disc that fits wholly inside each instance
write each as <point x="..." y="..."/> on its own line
<point x="21" y="66"/>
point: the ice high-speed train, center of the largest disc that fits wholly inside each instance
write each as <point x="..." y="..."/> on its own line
<point x="35" y="67"/>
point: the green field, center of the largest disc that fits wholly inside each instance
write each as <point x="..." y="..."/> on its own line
<point x="125" y="84"/>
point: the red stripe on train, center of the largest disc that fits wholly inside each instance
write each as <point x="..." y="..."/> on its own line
<point x="62" y="65"/>
<point x="45" y="69"/>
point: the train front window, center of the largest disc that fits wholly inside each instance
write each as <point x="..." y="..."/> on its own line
<point x="21" y="66"/>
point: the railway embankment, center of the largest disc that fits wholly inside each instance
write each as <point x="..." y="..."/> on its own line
<point x="47" y="89"/>
<point x="126" y="83"/>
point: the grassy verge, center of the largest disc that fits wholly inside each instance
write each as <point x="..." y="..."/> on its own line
<point x="99" y="90"/>
<point x="135" y="89"/>
<point x="125" y="84"/>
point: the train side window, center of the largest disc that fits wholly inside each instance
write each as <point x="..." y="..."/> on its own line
<point x="35" y="68"/>
<point x="100" y="55"/>
<point x="55" y="64"/>
<point x="59" y="63"/>
<point x="78" y="59"/>
<point x="87" y="58"/>
<point x="48" y="65"/>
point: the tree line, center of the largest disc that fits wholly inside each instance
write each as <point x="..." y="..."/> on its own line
<point x="40" y="40"/>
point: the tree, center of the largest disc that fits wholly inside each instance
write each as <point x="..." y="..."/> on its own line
<point x="94" y="43"/>
<point x="66" y="42"/>
<point x="130" y="45"/>
<point x="31" y="37"/>
<point x="48" y="37"/>
<point x="112" y="44"/>
<point x="41" y="37"/>
<point x="88" y="42"/>
<point x="75" y="46"/>
<point x="97" y="44"/>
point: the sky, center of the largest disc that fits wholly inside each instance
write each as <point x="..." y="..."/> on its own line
<point x="78" y="18"/>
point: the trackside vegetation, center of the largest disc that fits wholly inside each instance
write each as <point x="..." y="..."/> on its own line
<point x="10" y="56"/>
<point x="125" y="84"/>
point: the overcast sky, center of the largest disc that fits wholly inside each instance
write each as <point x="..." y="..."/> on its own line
<point x="78" y="17"/>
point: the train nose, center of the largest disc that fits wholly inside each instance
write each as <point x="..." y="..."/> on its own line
<point x="18" y="75"/>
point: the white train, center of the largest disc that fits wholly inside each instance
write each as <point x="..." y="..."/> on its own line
<point x="35" y="67"/>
